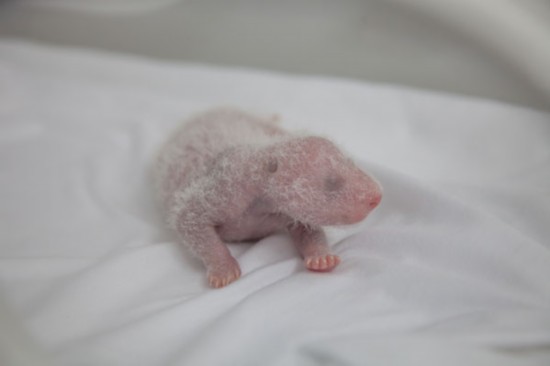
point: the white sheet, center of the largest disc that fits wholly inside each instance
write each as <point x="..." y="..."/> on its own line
<point x="453" y="268"/>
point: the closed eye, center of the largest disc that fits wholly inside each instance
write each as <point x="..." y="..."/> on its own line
<point x="334" y="183"/>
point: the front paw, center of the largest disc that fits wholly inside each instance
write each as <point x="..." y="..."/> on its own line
<point x="323" y="263"/>
<point x="222" y="275"/>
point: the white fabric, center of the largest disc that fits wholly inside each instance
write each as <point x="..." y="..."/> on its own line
<point x="453" y="268"/>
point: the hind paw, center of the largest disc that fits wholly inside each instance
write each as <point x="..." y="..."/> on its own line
<point x="221" y="277"/>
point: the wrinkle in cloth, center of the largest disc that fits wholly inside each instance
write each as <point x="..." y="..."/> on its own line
<point x="452" y="268"/>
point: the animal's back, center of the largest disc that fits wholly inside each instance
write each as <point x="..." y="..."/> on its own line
<point x="191" y="150"/>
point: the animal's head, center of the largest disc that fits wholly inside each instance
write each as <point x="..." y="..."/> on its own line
<point x="310" y="180"/>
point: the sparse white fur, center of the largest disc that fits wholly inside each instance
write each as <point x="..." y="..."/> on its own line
<point x="185" y="152"/>
<point x="227" y="175"/>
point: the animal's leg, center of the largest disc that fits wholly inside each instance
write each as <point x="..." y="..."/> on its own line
<point x="312" y="245"/>
<point x="221" y="267"/>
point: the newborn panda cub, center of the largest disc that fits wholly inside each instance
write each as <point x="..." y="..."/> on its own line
<point x="227" y="176"/>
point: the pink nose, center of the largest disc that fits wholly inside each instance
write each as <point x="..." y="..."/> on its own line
<point x="375" y="201"/>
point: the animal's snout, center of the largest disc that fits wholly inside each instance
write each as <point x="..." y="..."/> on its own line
<point x="375" y="201"/>
<point x="370" y="201"/>
<point x="362" y="206"/>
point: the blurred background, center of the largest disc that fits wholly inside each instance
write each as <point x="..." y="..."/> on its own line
<point x="490" y="49"/>
<point x="494" y="49"/>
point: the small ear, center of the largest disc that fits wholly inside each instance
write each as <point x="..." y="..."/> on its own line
<point x="272" y="165"/>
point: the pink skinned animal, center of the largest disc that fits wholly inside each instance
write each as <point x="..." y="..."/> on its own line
<point x="228" y="176"/>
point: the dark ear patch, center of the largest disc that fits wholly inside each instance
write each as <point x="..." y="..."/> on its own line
<point x="272" y="165"/>
<point x="334" y="183"/>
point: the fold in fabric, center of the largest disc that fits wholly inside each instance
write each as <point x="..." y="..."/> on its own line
<point x="451" y="268"/>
